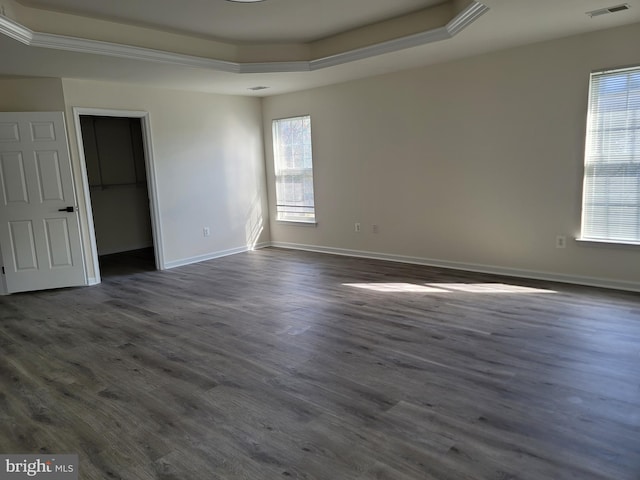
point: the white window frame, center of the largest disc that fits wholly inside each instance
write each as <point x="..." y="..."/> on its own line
<point x="295" y="199"/>
<point x="611" y="185"/>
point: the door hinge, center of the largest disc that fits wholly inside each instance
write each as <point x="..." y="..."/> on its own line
<point x="3" y="270"/>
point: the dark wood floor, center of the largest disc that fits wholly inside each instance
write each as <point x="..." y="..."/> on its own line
<point x="272" y="364"/>
<point x="127" y="263"/>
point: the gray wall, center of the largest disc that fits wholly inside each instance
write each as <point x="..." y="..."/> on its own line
<point x="31" y="95"/>
<point x="475" y="163"/>
<point x="209" y="165"/>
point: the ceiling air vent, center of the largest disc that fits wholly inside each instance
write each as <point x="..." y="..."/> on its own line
<point x="604" y="11"/>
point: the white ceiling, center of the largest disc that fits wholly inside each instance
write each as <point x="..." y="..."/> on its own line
<point x="267" y="21"/>
<point x="508" y="23"/>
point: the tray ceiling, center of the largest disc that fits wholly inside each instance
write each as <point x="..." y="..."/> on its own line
<point x="272" y="21"/>
<point x="153" y="48"/>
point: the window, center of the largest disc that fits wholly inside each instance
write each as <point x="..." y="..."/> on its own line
<point x="294" y="169"/>
<point x="611" y="194"/>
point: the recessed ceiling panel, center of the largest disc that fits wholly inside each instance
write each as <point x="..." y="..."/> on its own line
<point x="267" y="21"/>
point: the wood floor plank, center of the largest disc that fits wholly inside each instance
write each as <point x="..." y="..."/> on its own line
<point x="282" y="364"/>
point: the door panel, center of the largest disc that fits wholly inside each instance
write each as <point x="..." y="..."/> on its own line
<point x="13" y="178"/>
<point x="23" y="245"/>
<point x="58" y="245"/>
<point x="49" y="178"/>
<point x="42" y="131"/>
<point x="39" y="240"/>
<point x="9" y="132"/>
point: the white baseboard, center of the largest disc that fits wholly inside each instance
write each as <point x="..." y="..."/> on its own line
<point x="470" y="267"/>
<point x="210" y="256"/>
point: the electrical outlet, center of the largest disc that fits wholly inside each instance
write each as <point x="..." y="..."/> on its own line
<point x="206" y="231"/>
<point x="561" y="241"/>
<point x="375" y="228"/>
<point x="357" y="226"/>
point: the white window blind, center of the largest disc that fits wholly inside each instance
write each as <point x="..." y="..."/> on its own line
<point x="294" y="169"/>
<point x="611" y="194"/>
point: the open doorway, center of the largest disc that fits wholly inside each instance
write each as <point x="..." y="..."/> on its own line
<point x="118" y="179"/>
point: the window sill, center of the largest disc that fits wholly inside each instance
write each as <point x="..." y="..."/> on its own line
<point x="612" y="243"/>
<point x="297" y="223"/>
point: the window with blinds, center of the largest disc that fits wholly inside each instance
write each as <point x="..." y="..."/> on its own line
<point x="611" y="193"/>
<point x="294" y="169"/>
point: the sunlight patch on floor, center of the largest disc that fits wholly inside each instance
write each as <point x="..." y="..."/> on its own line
<point x="446" y="288"/>
<point x="488" y="288"/>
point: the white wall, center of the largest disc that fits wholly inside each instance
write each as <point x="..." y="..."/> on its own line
<point x="476" y="163"/>
<point x="209" y="164"/>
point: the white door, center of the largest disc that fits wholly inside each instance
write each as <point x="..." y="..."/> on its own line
<point x="39" y="229"/>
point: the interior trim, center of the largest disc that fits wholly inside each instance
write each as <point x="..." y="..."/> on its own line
<point x="470" y="267"/>
<point x="154" y="204"/>
<point x="466" y="17"/>
<point x="213" y="255"/>
<point x="397" y="44"/>
<point x="31" y="38"/>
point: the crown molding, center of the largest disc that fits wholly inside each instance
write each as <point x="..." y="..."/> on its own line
<point x="73" y="44"/>
<point x="28" y="37"/>
<point x="16" y="31"/>
<point x="275" y="67"/>
<point x="397" y="44"/>
<point x="466" y="17"/>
